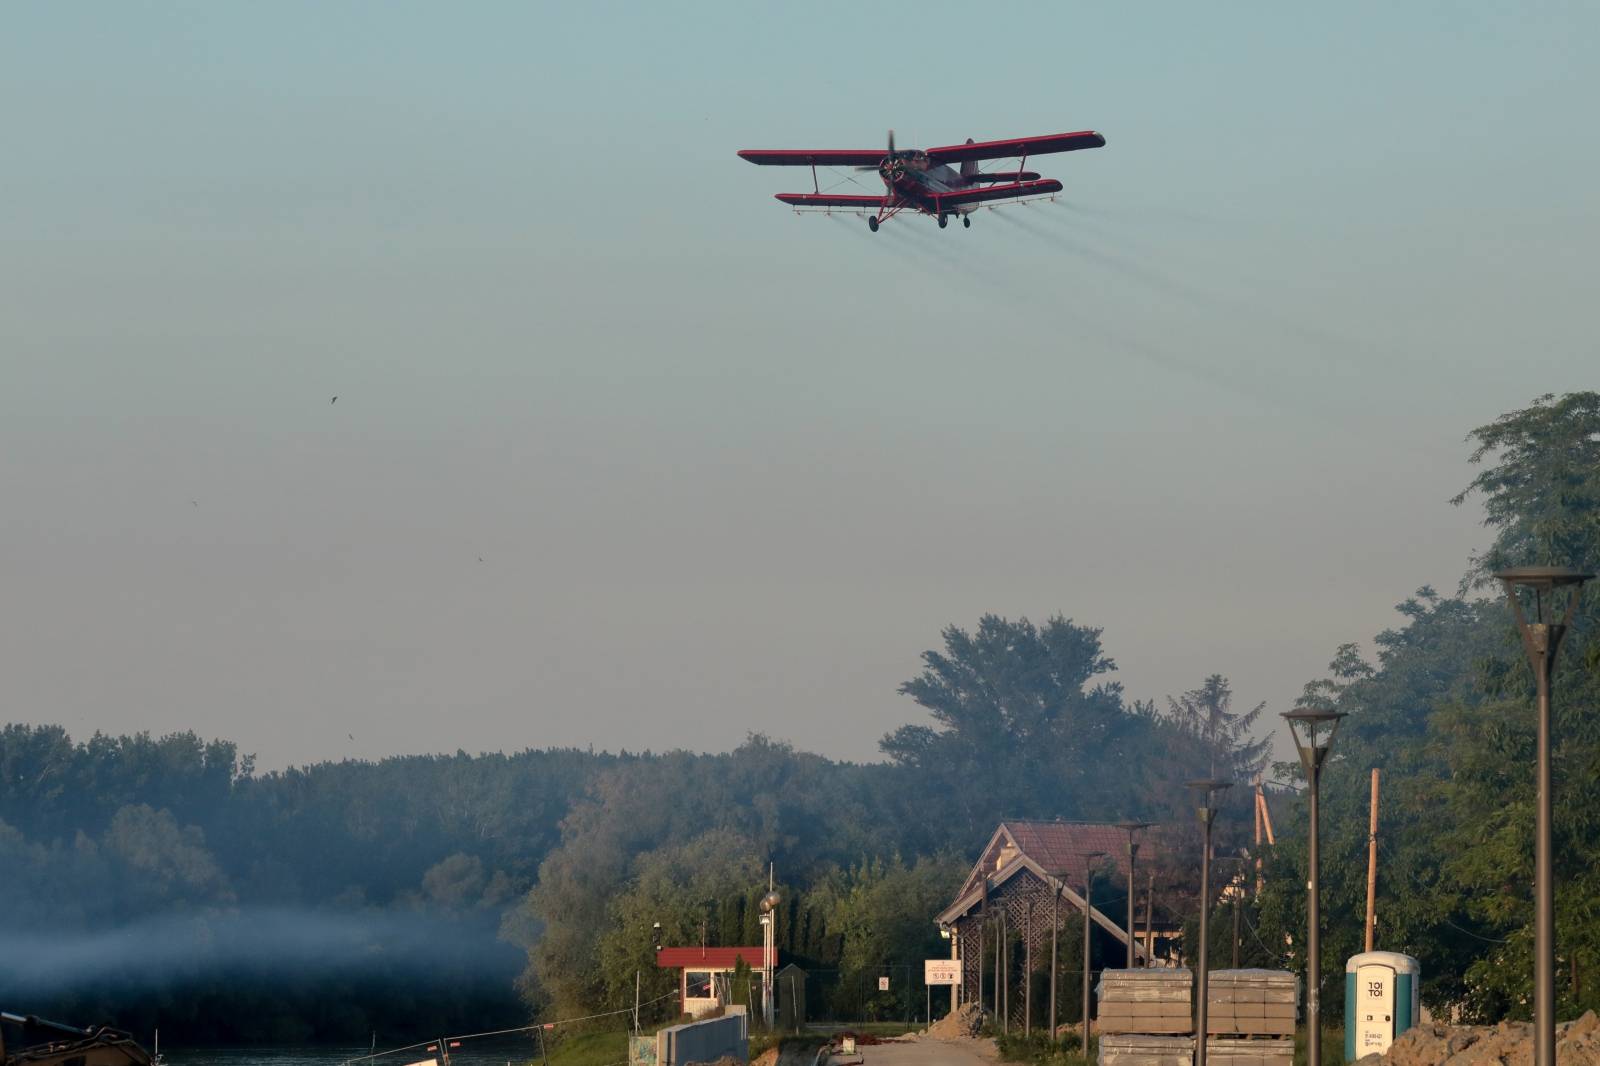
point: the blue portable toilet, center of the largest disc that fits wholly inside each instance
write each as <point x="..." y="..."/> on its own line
<point x="1382" y="999"/>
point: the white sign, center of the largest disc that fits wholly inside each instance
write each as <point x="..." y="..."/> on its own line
<point x="883" y="984"/>
<point x="941" y="972"/>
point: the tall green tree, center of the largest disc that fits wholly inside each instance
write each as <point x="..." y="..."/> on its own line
<point x="1540" y="484"/>
<point x="1206" y="716"/>
<point x="1026" y="723"/>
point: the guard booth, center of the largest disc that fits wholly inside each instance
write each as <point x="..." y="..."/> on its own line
<point x="1382" y="999"/>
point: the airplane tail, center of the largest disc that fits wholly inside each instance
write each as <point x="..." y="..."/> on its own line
<point x="970" y="167"/>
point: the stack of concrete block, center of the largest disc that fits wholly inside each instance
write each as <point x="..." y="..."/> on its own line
<point x="1153" y="1002"/>
<point x="1137" y="1049"/>
<point x="1251" y="1003"/>
<point x="1249" y="1051"/>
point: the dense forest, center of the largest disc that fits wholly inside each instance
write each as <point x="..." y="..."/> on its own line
<point x="164" y="881"/>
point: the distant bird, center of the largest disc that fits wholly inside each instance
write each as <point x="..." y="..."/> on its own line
<point x="352" y="736"/>
<point x="334" y="400"/>
<point x="194" y="503"/>
<point x="480" y="558"/>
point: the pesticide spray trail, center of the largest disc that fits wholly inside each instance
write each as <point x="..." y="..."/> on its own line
<point x="1333" y="342"/>
<point x="1128" y="268"/>
<point x="1149" y="353"/>
<point x="910" y="238"/>
<point x="948" y="251"/>
<point x="1336" y="353"/>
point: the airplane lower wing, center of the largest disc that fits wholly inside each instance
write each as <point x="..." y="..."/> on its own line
<point x="814" y="157"/>
<point x="1016" y="147"/>
<point x="998" y="192"/>
<point x="826" y="199"/>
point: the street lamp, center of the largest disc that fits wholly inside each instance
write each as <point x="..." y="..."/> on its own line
<point x="1207" y="793"/>
<point x="1313" y="735"/>
<point x="768" y="906"/>
<point x="1133" y="851"/>
<point x="1541" y="639"/>
<point x="1089" y="858"/>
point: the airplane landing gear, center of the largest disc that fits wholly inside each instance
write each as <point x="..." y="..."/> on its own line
<point x="966" y="221"/>
<point x="944" y="220"/>
<point x="872" y="223"/>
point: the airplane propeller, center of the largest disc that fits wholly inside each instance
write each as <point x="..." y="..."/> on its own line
<point x="891" y="161"/>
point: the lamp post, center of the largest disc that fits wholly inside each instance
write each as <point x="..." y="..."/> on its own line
<point x="955" y="989"/>
<point x="1133" y="850"/>
<point x="768" y="906"/>
<point x="1313" y="735"/>
<point x="1207" y="793"/>
<point x="1541" y="639"/>
<point x="1089" y="858"/>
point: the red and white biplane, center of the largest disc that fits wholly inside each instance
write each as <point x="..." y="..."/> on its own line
<point x="929" y="181"/>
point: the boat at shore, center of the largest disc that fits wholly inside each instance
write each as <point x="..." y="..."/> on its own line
<point x="28" y="1040"/>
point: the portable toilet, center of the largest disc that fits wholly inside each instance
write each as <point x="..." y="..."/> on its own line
<point x="1382" y="999"/>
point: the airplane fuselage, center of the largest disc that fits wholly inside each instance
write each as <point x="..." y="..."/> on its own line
<point x="911" y="177"/>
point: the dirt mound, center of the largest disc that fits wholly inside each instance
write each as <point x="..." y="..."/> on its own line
<point x="1506" y="1044"/>
<point x="964" y="1021"/>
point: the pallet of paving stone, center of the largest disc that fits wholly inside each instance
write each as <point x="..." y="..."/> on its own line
<point x="1146" y="985"/>
<point x="1252" y="1003"/>
<point x="1176" y="1002"/>
<point x="1111" y="1023"/>
<point x="1253" y="986"/>
<point x="1156" y="1002"/>
<point x="1223" y="1022"/>
<point x="1236" y="1051"/>
<point x="1145" y="1049"/>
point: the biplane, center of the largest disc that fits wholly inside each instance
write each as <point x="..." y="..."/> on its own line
<point x="936" y="181"/>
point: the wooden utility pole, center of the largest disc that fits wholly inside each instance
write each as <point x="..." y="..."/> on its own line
<point x="1258" y="834"/>
<point x="1372" y="859"/>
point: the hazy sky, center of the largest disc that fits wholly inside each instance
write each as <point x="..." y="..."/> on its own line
<point x="726" y="468"/>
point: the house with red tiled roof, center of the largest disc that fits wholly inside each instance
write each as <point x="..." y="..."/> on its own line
<point x="1029" y="879"/>
<point x="704" y="974"/>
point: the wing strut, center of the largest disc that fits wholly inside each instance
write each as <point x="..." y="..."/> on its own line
<point x="814" y="187"/>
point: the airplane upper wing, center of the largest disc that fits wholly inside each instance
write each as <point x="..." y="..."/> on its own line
<point x="1017" y="146"/>
<point x="999" y="192"/>
<point x="826" y="199"/>
<point x="814" y="157"/>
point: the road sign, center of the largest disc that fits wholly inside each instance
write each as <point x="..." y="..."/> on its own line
<point x="883" y="984"/>
<point x="941" y="972"/>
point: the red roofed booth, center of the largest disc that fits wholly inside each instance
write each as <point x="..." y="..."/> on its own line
<point x="704" y="974"/>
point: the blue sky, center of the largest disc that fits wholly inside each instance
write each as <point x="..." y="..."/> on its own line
<point x="728" y="468"/>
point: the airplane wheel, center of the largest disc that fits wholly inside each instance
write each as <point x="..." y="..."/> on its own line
<point x="943" y="221"/>
<point x="966" y="222"/>
<point x="872" y="224"/>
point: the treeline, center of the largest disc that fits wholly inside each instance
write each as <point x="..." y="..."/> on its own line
<point x="165" y="882"/>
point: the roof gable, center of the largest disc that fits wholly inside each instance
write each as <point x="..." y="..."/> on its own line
<point x="708" y="958"/>
<point x="1055" y="847"/>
